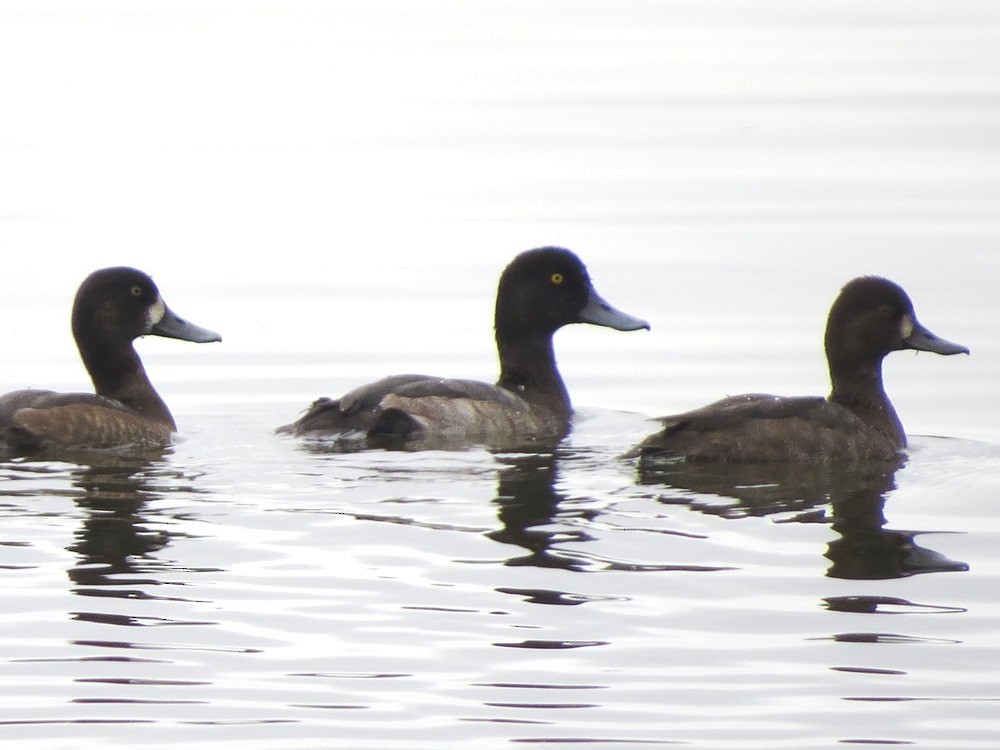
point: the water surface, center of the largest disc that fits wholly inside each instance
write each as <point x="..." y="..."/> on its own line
<point x="336" y="190"/>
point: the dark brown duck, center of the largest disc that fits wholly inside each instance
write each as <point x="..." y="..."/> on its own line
<point x="540" y="291"/>
<point x="870" y="318"/>
<point x="113" y="307"/>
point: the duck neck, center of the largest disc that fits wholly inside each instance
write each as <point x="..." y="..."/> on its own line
<point x="860" y="389"/>
<point x="528" y="369"/>
<point x="117" y="373"/>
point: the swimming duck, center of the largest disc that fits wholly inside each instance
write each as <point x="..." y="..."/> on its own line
<point x="113" y="307"/>
<point x="870" y="318"/>
<point x="539" y="292"/>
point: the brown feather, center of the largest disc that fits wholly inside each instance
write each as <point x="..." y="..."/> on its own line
<point x="89" y="425"/>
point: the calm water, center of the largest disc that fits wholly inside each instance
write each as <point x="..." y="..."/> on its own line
<point x="335" y="190"/>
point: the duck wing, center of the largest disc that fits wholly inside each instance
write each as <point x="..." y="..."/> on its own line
<point x="402" y="406"/>
<point x="355" y="411"/>
<point x="36" y="420"/>
<point x="761" y="427"/>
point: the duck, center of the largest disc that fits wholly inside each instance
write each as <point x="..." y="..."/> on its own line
<point x="870" y="318"/>
<point x="112" y="308"/>
<point x="539" y="292"/>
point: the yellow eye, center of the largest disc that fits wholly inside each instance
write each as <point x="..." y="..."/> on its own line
<point x="556" y="278"/>
<point x="136" y="291"/>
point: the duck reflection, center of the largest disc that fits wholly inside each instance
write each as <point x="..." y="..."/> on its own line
<point x="868" y="550"/>
<point x="851" y="497"/>
<point x="114" y="543"/>
<point x="527" y="503"/>
<point x="542" y="520"/>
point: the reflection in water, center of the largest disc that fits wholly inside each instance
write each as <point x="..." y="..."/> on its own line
<point x="354" y="442"/>
<point x="115" y="543"/>
<point x="535" y="516"/>
<point x="868" y="550"/>
<point x="855" y="492"/>
<point x="871" y="605"/>
<point x="527" y="504"/>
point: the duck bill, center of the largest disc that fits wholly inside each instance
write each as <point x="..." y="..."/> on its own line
<point x="600" y="313"/>
<point x="172" y="326"/>
<point x="921" y="339"/>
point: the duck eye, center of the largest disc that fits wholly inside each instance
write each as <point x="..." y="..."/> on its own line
<point x="556" y="278"/>
<point x="885" y="310"/>
<point x="136" y="291"/>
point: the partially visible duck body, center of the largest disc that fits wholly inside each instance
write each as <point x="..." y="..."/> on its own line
<point x="869" y="319"/>
<point x="539" y="292"/>
<point x="760" y="427"/>
<point x="113" y="307"/>
<point x="405" y="406"/>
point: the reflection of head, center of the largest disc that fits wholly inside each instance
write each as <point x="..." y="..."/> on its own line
<point x="527" y="500"/>
<point x="113" y="539"/>
<point x="855" y="492"/>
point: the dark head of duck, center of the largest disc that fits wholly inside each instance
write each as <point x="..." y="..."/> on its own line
<point x="112" y="308"/>
<point x="539" y="292"/>
<point x="870" y="318"/>
<point x="543" y="289"/>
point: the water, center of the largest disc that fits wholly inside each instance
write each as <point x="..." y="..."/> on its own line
<point x="335" y="189"/>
